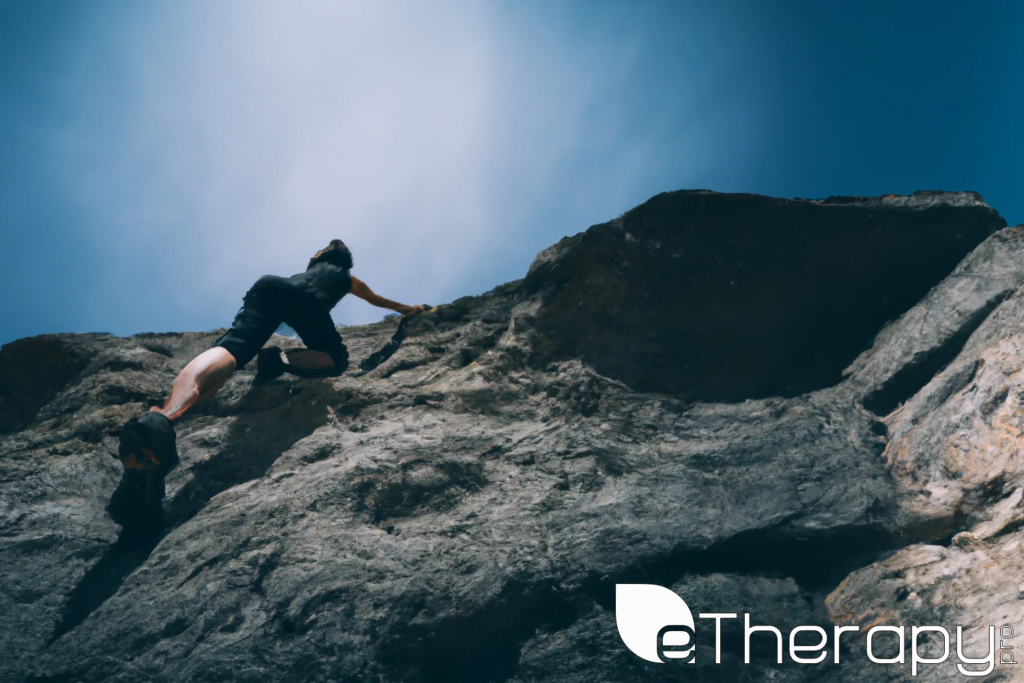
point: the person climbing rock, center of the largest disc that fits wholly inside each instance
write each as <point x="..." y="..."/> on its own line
<point x="304" y="302"/>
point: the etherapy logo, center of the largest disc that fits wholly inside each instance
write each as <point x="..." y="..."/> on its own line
<point x="657" y="625"/>
<point x="654" y="622"/>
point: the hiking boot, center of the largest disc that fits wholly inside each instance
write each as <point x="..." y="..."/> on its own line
<point x="148" y="442"/>
<point x="148" y="452"/>
<point x="137" y="503"/>
<point x="269" y="364"/>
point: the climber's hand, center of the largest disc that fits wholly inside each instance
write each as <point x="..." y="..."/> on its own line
<point x="409" y="311"/>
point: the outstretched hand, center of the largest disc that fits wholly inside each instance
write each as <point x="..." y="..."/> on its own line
<point x="414" y="310"/>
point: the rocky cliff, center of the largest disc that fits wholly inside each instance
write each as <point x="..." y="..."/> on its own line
<point x="808" y="411"/>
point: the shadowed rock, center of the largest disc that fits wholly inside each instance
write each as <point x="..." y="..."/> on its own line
<point x="725" y="297"/>
<point x="32" y="371"/>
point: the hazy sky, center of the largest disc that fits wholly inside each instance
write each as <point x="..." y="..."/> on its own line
<point x="157" y="157"/>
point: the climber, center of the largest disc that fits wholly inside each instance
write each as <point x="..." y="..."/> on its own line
<point x="304" y="302"/>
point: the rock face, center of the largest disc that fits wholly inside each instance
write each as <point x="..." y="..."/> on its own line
<point x="463" y="511"/>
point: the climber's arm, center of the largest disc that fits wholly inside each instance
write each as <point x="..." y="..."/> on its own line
<point x="360" y="290"/>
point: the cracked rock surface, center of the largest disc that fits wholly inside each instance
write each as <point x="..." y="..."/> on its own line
<point x="463" y="511"/>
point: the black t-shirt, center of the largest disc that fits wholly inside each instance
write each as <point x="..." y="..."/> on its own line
<point x="326" y="282"/>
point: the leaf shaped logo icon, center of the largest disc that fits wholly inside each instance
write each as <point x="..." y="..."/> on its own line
<point x="654" y="622"/>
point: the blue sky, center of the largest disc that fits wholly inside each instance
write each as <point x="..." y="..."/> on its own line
<point x="158" y="157"/>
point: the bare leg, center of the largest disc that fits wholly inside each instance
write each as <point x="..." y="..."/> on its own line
<point x="307" y="359"/>
<point x="199" y="380"/>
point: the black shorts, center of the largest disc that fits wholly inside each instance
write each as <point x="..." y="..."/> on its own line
<point x="268" y="303"/>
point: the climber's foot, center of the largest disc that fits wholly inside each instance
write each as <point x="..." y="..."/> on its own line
<point x="148" y="452"/>
<point x="148" y="442"/>
<point x="137" y="503"/>
<point x="269" y="364"/>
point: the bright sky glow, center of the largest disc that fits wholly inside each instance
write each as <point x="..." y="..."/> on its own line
<point x="158" y="157"/>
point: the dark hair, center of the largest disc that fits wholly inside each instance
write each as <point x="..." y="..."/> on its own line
<point x="336" y="252"/>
